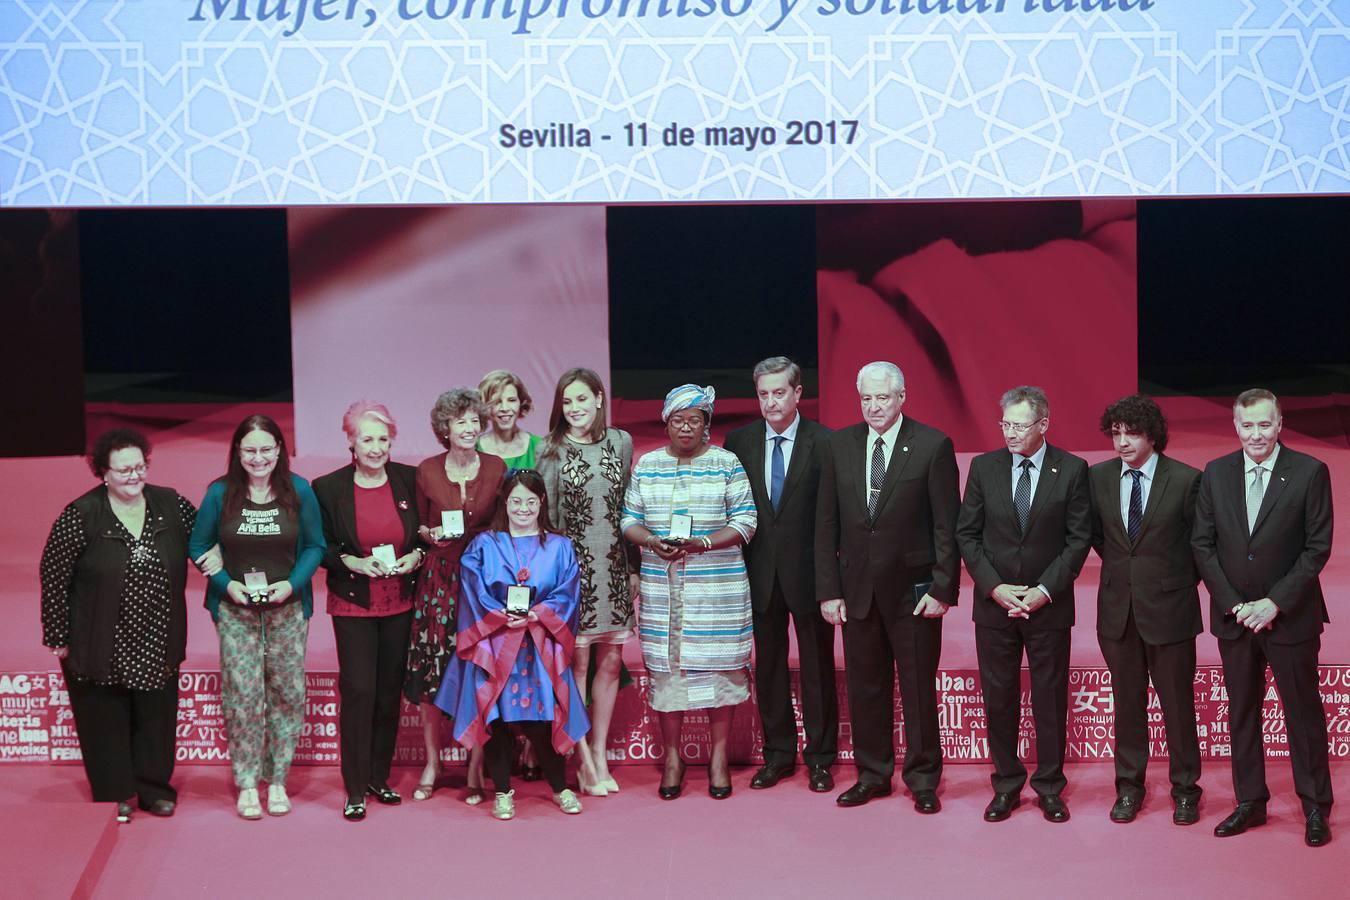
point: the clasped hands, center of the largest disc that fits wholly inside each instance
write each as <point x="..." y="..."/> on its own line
<point x="1258" y="615"/>
<point x="835" y="612"/>
<point x="516" y="620"/>
<point x="374" y="568"/>
<point x="1019" y="600"/>
<point x="274" y="593"/>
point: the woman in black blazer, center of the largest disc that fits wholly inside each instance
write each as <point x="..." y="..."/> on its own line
<point x="370" y="525"/>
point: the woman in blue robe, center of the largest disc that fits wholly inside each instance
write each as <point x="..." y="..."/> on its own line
<point x="513" y="660"/>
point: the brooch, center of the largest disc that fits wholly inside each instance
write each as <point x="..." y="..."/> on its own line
<point x="522" y="575"/>
<point x="403" y="504"/>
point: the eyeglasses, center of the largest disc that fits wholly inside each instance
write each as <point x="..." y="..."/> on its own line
<point x="683" y="424"/>
<point x="519" y="503"/>
<point x="136" y="471"/>
<point x="259" y="451"/>
<point x="1018" y="427"/>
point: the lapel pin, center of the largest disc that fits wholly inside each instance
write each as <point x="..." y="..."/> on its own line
<point x="906" y="450"/>
<point x="1054" y="471"/>
<point x="1282" y="478"/>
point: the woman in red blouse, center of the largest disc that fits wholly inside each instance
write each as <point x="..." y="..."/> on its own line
<point x="371" y="527"/>
<point x="456" y="499"/>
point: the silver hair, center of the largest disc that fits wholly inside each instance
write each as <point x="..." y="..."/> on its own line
<point x="1040" y="404"/>
<point x="1252" y="396"/>
<point x="452" y="405"/>
<point x="775" y="364"/>
<point x="892" y="372"/>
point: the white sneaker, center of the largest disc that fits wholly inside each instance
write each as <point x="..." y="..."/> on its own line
<point x="504" y="806"/>
<point x="278" y="804"/>
<point x="247" y="805"/>
<point x="567" y="801"/>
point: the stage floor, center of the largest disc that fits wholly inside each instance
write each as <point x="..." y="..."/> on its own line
<point x="785" y="842"/>
<point x="190" y="451"/>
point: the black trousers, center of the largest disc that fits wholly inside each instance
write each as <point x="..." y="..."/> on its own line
<point x="1000" y="656"/>
<point x="773" y="688"/>
<point x="1295" y="669"/>
<point x="372" y="655"/>
<point x="1132" y="661"/>
<point x="874" y="648"/>
<point x="127" y="739"/>
<point x="500" y="751"/>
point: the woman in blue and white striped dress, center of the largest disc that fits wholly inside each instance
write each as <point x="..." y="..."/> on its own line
<point x="689" y="507"/>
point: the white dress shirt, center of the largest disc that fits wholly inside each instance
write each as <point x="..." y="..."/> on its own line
<point x="789" y="437"/>
<point x="887" y="448"/>
<point x="1147" y="470"/>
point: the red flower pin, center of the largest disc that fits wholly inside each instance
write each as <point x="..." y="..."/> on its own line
<point x="522" y="575"/>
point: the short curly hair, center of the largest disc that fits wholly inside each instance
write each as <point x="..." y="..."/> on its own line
<point x="1137" y="412"/>
<point x="109" y="442"/>
<point x="452" y="405"/>
<point x="495" y="382"/>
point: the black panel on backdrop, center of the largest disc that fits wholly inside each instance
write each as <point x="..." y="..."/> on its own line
<point x="187" y="303"/>
<point x="1241" y="292"/>
<point x="708" y="288"/>
<point x="42" y="362"/>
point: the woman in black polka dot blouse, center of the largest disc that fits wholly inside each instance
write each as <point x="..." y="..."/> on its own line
<point x="114" y="613"/>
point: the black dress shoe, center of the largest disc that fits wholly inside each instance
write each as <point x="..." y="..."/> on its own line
<point x="670" y="792"/>
<point x="821" y="779"/>
<point x="1053" y="808"/>
<point x="718" y="792"/>
<point x="927" y="802"/>
<point x="355" y="810"/>
<point x="1186" y="811"/>
<point x="161" y="808"/>
<point x="385" y="794"/>
<point x="124" y="812"/>
<point x="1001" y="806"/>
<point x="862" y="792"/>
<point x="1247" y="815"/>
<point x="1318" y="830"/>
<point x="1126" y="808"/>
<point x="769" y="775"/>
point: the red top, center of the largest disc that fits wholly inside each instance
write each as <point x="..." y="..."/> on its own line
<point x="377" y="522"/>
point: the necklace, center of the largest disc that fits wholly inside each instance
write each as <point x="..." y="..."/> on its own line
<point x="522" y="568"/>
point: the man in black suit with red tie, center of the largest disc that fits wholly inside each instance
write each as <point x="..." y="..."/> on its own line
<point x="1148" y="605"/>
<point x="887" y="569"/>
<point x="1024" y="532"/>
<point x="1262" y="535"/>
<point x="781" y="456"/>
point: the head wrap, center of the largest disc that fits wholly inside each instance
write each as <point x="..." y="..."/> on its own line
<point x="691" y="396"/>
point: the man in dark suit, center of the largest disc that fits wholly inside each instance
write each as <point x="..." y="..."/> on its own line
<point x="887" y="569"/>
<point x="1148" y="607"/>
<point x="1262" y="534"/>
<point x="1024" y="532"/>
<point x="781" y="456"/>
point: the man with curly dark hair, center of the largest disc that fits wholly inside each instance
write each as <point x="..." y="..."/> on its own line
<point x="1148" y="606"/>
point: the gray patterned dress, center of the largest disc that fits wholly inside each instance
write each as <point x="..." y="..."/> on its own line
<point x="586" y="485"/>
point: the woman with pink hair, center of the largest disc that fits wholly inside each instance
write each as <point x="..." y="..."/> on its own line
<point x="370" y="526"/>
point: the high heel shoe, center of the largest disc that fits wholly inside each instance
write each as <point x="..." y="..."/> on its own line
<point x="610" y="784"/>
<point x="672" y="791"/>
<point x="425" y="789"/>
<point x="718" y="792"/>
<point x="591" y="787"/>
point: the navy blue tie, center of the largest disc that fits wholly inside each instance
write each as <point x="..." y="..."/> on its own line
<point x="776" y="473"/>
<point x="1136" y="506"/>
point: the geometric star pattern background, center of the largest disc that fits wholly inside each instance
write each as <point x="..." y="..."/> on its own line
<point x="126" y="102"/>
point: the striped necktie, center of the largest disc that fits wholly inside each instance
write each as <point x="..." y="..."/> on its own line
<point x="877" y="477"/>
<point x="1136" y="505"/>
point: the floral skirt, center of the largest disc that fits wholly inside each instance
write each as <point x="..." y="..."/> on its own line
<point x="433" y="626"/>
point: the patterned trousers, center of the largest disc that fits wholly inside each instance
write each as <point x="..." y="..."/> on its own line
<point x="262" y="675"/>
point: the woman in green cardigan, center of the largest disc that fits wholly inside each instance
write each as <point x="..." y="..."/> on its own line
<point x="270" y="531"/>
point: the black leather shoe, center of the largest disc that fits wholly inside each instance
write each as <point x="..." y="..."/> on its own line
<point x="1053" y="808"/>
<point x="1247" y="815"/>
<point x="1001" y="806"/>
<point x="769" y="775"/>
<point x="862" y="792"/>
<point x="385" y="794"/>
<point x="161" y="808"/>
<point x="715" y="791"/>
<point x="355" y="810"/>
<point x="927" y="802"/>
<point x="1186" y="811"/>
<point x="821" y="779"/>
<point x="1318" y="830"/>
<point x="124" y="812"/>
<point x="1126" y="808"/>
<point x="670" y="792"/>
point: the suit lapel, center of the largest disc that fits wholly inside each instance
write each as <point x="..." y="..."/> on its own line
<point x="899" y="456"/>
<point x="755" y="465"/>
<point x="1044" y="485"/>
<point x="801" y="452"/>
<point x="1110" y="504"/>
<point x="1278" y="479"/>
<point x="1003" y="496"/>
<point x="861" y="460"/>
<point x="346" y="505"/>
<point x="1155" y="494"/>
